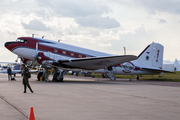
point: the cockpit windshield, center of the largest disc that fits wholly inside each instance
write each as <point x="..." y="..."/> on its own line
<point x="22" y="41"/>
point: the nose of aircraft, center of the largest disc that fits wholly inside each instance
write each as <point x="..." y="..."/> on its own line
<point x="8" y="43"/>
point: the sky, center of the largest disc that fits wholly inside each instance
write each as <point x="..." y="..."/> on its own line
<point x="102" y="25"/>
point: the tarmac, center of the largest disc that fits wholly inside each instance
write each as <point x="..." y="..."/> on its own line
<point x="86" y="98"/>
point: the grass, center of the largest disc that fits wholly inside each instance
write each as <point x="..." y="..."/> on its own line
<point x="162" y="77"/>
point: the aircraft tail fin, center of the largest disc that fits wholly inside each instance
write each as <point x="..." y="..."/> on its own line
<point x="152" y="55"/>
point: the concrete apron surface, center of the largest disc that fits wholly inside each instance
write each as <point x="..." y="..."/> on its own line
<point x="86" y="98"/>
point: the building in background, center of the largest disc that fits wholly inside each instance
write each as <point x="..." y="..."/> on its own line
<point x="170" y="66"/>
<point x="176" y="65"/>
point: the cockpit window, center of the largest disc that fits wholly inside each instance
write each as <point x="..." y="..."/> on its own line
<point x="22" y="41"/>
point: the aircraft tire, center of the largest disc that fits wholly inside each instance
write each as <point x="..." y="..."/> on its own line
<point x="137" y="77"/>
<point x="40" y="74"/>
<point x="56" y="78"/>
<point x="103" y="76"/>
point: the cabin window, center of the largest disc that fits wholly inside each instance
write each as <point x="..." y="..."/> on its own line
<point x="64" y="52"/>
<point x="72" y="54"/>
<point x="22" y="41"/>
<point x="55" y="50"/>
<point x="80" y="56"/>
<point x="25" y="41"/>
<point x="87" y="56"/>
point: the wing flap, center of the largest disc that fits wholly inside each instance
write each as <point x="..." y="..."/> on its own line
<point x="96" y="62"/>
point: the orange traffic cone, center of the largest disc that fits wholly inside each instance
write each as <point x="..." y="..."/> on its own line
<point x="31" y="115"/>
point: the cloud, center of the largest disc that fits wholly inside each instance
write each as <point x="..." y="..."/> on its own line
<point x="98" y="22"/>
<point x="86" y="13"/>
<point x="11" y="33"/>
<point x="153" y="6"/>
<point x="35" y="25"/>
<point x="161" y="21"/>
<point x="169" y="6"/>
<point x="69" y="8"/>
<point x="105" y="44"/>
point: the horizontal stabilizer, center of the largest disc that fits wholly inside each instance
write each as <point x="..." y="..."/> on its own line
<point x="95" y="63"/>
<point x="156" y="70"/>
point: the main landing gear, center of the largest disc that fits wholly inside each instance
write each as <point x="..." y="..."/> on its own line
<point x="110" y="74"/>
<point x="137" y="77"/>
<point x="39" y="75"/>
<point x="57" y="77"/>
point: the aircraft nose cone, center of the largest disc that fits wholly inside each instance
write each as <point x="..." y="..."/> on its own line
<point x="8" y="43"/>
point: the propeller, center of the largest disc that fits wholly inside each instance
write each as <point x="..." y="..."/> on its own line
<point x="37" y="48"/>
<point x="36" y="53"/>
<point x="36" y="56"/>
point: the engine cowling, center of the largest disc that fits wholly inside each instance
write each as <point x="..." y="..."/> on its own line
<point x="29" y="62"/>
<point x="26" y="61"/>
<point x="44" y="59"/>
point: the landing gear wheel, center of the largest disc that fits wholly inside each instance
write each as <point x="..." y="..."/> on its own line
<point x="137" y="77"/>
<point x="40" y="75"/>
<point x="103" y="76"/>
<point x="57" y="79"/>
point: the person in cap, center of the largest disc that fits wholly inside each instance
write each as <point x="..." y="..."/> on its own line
<point x="25" y="72"/>
<point x="9" y="73"/>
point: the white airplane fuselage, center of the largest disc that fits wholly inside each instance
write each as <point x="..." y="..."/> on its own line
<point x="127" y="68"/>
<point x="26" y="47"/>
<point x="51" y="51"/>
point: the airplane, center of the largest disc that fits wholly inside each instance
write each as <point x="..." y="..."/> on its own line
<point x="47" y="53"/>
<point x="5" y="65"/>
<point x="16" y="69"/>
<point x="149" y="62"/>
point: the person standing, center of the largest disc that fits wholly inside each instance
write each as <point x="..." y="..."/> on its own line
<point x="9" y="73"/>
<point x="25" y="72"/>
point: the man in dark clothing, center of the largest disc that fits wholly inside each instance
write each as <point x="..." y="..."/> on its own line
<point x="9" y="73"/>
<point x="25" y="72"/>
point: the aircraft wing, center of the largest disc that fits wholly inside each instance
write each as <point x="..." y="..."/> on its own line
<point x="13" y="71"/>
<point x="18" y="71"/>
<point x="95" y="63"/>
<point x="156" y="70"/>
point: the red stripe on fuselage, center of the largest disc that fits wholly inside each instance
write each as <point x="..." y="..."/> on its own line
<point x="32" y="44"/>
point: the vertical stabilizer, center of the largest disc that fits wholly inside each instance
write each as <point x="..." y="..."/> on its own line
<point x="152" y="56"/>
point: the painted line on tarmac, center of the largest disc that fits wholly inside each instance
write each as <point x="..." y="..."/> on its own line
<point x="13" y="107"/>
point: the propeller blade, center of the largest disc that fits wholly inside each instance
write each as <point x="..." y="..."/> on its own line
<point x="36" y="54"/>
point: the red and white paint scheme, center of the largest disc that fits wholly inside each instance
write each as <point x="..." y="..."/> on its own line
<point x="149" y="62"/>
<point x="49" y="53"/>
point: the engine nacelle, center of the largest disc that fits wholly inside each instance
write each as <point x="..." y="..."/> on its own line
<point x="44" y="59"/>
<point x="26" y="61"/>
<point x="29" y="62"/>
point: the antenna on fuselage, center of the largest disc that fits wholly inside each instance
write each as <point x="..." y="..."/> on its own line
<point x="34" y="35"/>
<point x="43" y="37"/>
<point x="59" y="40"/>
